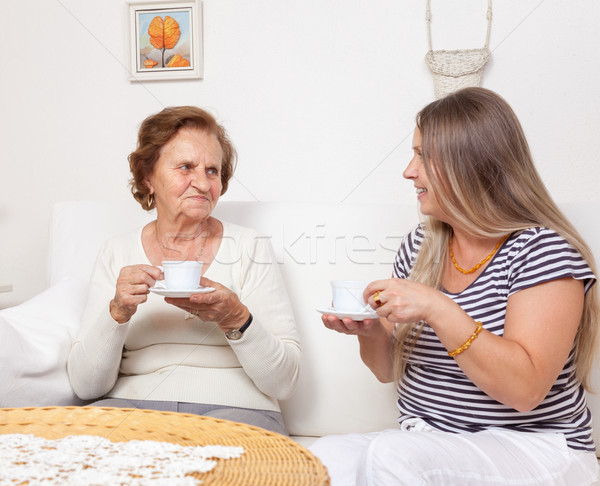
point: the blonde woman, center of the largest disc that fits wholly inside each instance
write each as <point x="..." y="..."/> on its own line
<point x="490" y="324"/>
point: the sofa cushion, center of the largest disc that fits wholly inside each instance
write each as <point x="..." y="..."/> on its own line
<point x="314" y="243"/>
<point x="78" y="229"/>
<point x="35" y="338"/>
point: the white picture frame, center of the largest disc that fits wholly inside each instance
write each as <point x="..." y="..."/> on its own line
<point x="165" y="40"/>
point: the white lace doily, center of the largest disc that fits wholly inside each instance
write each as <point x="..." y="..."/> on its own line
<point x="93" y="460"/>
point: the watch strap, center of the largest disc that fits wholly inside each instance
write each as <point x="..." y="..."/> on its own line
<point x="236" y="334"/>
<point x="246" y="324"/>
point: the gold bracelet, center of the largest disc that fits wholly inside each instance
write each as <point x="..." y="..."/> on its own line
<point x="468" y="342"/>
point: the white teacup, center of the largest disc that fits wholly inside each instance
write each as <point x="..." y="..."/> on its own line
<point x="182" y="275"/>
<point x="348" y="295"/>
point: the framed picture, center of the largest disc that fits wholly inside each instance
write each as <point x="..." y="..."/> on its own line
<point x="166" y="40"/>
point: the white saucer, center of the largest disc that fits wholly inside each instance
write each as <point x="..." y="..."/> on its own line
<point x="181" y="293"/>
<point x="355" y="316"/>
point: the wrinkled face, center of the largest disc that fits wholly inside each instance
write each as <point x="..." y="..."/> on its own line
<point x="416" y="172"/>
<point x="186" y="180"/>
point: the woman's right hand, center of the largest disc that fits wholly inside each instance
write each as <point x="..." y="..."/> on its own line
<point x="348" y="326"/>
<point x="133" y="286"/>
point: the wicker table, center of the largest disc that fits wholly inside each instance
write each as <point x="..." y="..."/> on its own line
<point x="268" y="459"/>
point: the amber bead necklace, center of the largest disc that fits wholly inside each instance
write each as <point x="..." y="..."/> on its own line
<point x="482" y="262"/>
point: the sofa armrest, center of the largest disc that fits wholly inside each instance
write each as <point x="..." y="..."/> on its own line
<point x="35" y="339"/>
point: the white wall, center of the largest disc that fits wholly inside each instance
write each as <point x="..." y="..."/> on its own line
<point x="319" y="97"/>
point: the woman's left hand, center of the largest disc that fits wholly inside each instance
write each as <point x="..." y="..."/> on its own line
<point x="221" y="306"/>
<point x="403" y="301"/>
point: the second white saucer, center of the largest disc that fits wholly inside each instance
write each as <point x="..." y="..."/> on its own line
<point x="181" y="293"/>
<point x="355" y="316"/>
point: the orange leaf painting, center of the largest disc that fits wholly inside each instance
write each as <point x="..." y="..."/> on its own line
<point x="149" y="63"/>
<point x="178" y="61"/>
<point x="164" y="34"/>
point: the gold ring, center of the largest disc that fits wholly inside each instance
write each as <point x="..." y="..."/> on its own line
<point x="376" y="298"/>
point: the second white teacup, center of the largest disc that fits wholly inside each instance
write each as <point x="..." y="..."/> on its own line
<point x="348" y="295"/>
<point x="182" y="275"/>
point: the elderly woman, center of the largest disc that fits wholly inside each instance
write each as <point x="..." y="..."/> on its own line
<point x="231" y="353"/>
<point x="490" y="324"/>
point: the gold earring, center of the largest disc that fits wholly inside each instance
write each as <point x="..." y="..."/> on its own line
<point x="150" y="201"/>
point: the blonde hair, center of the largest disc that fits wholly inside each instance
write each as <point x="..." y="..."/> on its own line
<point x="478" y="161"/>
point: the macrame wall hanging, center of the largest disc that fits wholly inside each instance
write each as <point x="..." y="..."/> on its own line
<point x="457" y="69"/>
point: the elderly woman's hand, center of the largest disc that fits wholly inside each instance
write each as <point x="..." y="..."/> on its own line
<point x="221" y="306"/>
<point x="133" y="286"/>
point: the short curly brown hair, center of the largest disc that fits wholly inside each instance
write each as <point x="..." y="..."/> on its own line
<point x="156" y="131"/>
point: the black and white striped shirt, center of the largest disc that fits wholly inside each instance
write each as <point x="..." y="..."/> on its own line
<point x="439" y="392"/>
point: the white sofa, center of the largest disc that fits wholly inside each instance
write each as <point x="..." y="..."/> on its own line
<point x="314" y="243"/>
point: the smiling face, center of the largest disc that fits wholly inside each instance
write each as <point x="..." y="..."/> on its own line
<point x="186" y="180"/>
<point x="416" y="172"/>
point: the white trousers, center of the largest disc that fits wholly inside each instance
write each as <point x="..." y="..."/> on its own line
<point x="417" y="454"/>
